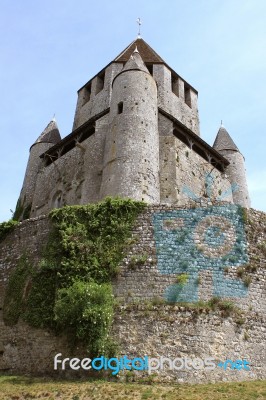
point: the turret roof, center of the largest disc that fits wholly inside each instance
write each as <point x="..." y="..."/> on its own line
<point x="50" y="134"/>
<point x="224" y="141"/>
<point x="135" y="62"/>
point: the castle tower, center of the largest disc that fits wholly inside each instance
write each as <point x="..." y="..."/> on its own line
<point x="131" y="160"/>
<point x="48" y="138"/>
<point x="236" y="169"/>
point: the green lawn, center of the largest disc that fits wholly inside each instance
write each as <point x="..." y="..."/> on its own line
<point x="20" y="388"/>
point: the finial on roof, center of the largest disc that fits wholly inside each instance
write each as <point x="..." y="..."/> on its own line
<point x="50" y="134"/>
<point x="139" y="23"/>
<point x="54" y="119"/>
<point x="221" y="124"/>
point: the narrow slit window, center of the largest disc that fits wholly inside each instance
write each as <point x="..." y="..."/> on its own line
<point x="120" y="107"/>
<point x="175" y="85"/>
<point x="100" y="82"/>
<point x="187" y="93"/>
<point x="86" y="94"/>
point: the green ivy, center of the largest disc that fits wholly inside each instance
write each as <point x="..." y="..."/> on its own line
<point x="15" y="297"/>
<point x="92" y="238"/>
<point x="39" y="311"/>
<point x="70" y="289"/>
<point x="6" y="227"/>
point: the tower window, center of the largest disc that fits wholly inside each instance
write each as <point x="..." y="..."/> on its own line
<point x="100" y="82"/>
<point x="175" y="84"/>
<point x="120" y="107"/>
<point x="187" y="93"/>
<point x="86" y="93"/>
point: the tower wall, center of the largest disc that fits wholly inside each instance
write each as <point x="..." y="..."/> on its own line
<point x="75" y="177"/>
<point x="176" y="97"/>
<point x="237" y="175"/>
<point x="33" y="168"/>
<point x="131" y="163"/>
<point x="92" y="99"/>
<point x="184" y="173"/>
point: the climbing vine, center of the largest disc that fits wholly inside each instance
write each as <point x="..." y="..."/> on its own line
<point x="18" y="284"/>
<point x="6" y="227"/>
<point x="70" y="289"/>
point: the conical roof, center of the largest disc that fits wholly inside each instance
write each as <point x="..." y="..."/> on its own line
<point x="224" y="141"/>
<point x="135" y="62"/>
<point x="50" y="134"/>
<point x="147" y="54"/>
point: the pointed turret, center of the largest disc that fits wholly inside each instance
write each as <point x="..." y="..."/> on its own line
<point x="131" y="157"/>
<point x="224" y="141"/>
<point x="47" y="138"/>
<point x="236" y="172"/>
<point x="50" y="134"/>
<point x="135" y="62"/>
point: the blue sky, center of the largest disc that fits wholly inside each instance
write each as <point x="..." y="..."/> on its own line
<point x="49" y="49"/>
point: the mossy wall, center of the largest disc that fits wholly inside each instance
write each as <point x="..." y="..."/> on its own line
<point x="142" y="324"/>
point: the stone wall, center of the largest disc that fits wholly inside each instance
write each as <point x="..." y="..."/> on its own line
<point x="98" y="100"/>
<point x="75" y="177"/>
<point x="131" y="155"/>
<point x="175" y="104"/>
<point x="185" y="175"/>
<point x="167" y="241"/>
<point x="176" y="332"/>
<point x="143" y="324"/>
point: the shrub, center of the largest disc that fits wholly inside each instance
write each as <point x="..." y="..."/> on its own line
<point x="70" y="288"/>
<point x="182" y="279"/>
<point x="85" y="311"/>
<point x="6" y="227"/>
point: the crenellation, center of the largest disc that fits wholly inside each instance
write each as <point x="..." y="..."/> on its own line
<point x="99" y="100"/>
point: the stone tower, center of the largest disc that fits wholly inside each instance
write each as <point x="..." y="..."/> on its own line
<point x="48" y="138"/>
<point x="131" y="157"/>
<point x="236" y="169"/>
<point x="135" y="134"/>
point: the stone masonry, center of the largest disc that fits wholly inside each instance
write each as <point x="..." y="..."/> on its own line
<point x="143" y="324"/>
<point x="136" y="135"/>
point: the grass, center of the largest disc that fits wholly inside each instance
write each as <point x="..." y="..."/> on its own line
<point x="22" y="388"/>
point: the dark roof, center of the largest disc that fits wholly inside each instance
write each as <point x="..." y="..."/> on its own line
<point x="199" y="145"/>
<point x="224" y="141"/>
<point x="147" y="54"/>
<point x="50" y="134"/>
<point x="71" y="138"/>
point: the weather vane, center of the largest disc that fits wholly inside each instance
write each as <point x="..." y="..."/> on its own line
<point x="139" y="23"/>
